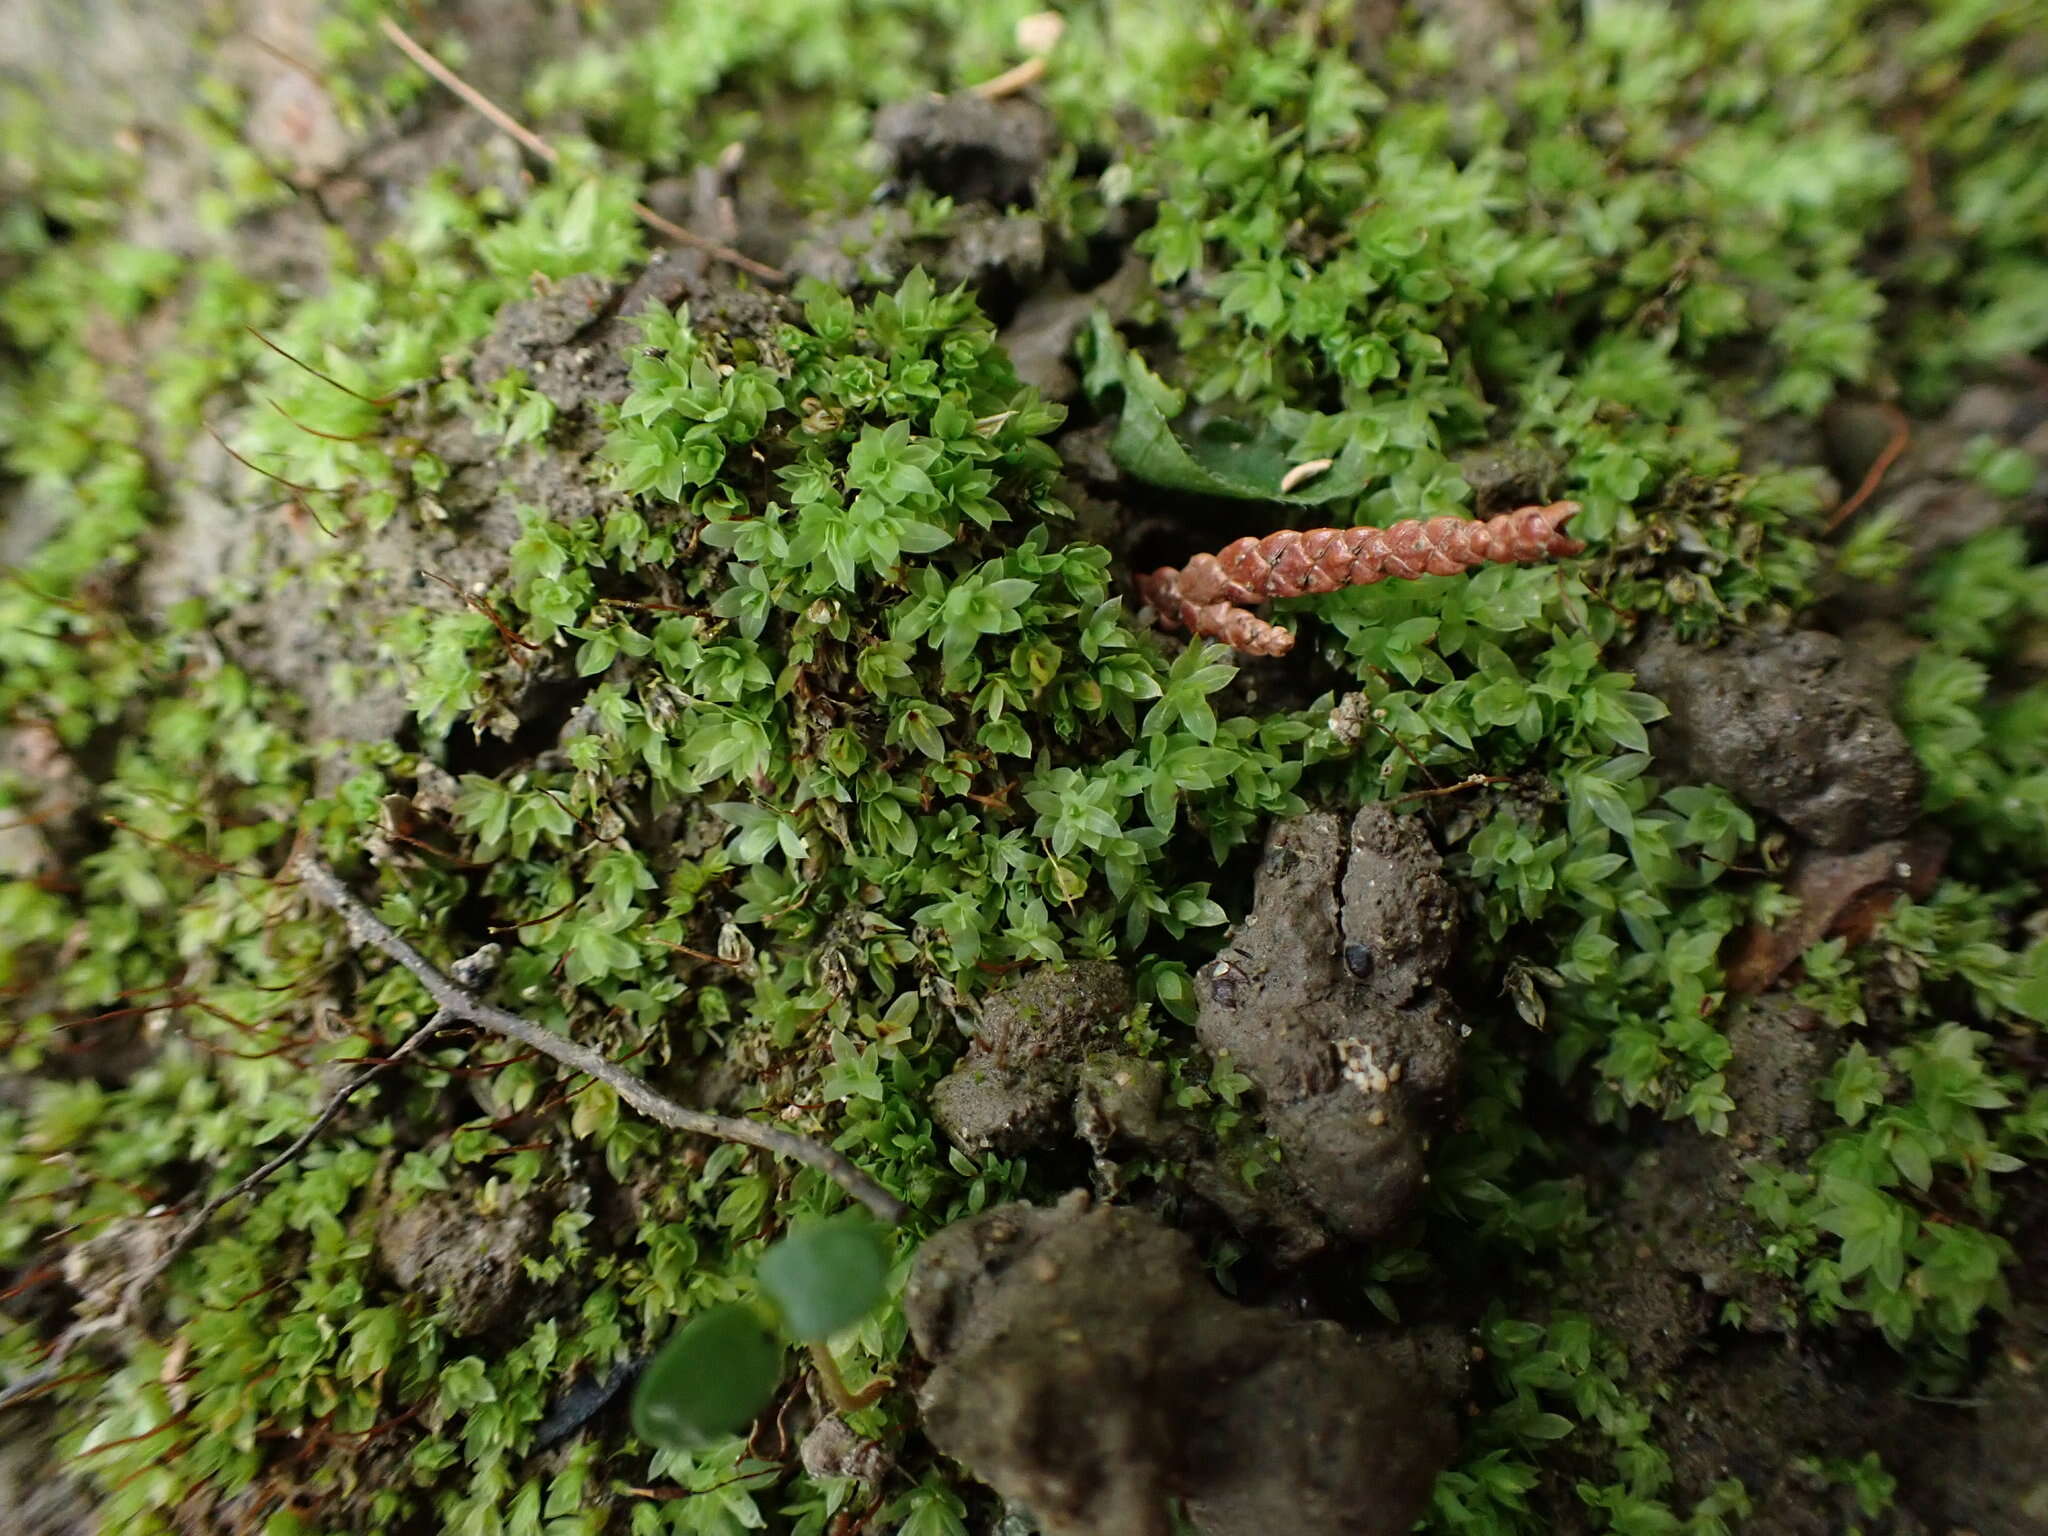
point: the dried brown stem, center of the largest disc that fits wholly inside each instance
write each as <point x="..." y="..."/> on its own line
<point x="1213" y="593"/>
<point x="380" y="401"/>
<point x="507" y="124"/>
<point x="332" y="437"/>
<point x="365" y="927"/>
<point x="1902" y="434"/>
<point x="474" y="970"/>
<point x="290" y="485"/>
<point x="1012" y="80"/>
<point x="1470" y="781"/>
<point x="514" y="641"/>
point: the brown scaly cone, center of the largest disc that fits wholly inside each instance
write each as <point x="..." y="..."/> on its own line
<point x="1213" y="593"/>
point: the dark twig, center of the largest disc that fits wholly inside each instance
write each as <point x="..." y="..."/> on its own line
<point x="290" y="485"/>
<point x="44" y="1379"/>
<point x="286" y="59"/>
<point x="332" y="437"/>
<point x="514" y="641"/>
<point x="506" y="123"/>
<point x="455" y="1003"/>
<point x="305" y="491"/>
<point x="365" y="927"/>
<point x="479" y="965"/>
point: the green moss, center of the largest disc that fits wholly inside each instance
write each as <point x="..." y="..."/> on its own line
<point x="901" y="735"/>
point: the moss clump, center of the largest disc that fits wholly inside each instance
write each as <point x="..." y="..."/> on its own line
<point x="842" y="721"/>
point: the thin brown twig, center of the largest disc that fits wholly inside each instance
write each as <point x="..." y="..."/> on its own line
<point x="161" y="1459"/>
<point x="38" y="1382"/>
<point x="545" y="917"/>
<point x="455" y="1002"/>
<point x="190" y="855"/>
<point x="628" y="602"/>
<point x="332" y="437"/>
<point x="385" y="1427"/>
<point x="1395" y="736"/>
<point x="1470" y="781"/>
<point x="292" y="485"/>
<point x="696" y="954"/>
<point x="453" y="860"/>
<point x="1012" y="80"/>
<point x="514" y="641"/>
<point x="474" y="969"/>
<point x="380" y="401"/>
<point x="113" y="1016"/>
<point x="147" y="1434"/>
<point x="41" y="1272"/>
<point x="675" y="1493"/>
<point x="850" y="1522"/>
<point x="589" y="830"/>
<point x="214" y="1010"/>
<point x="40" y="818"/>
<point x="496" y="115"/>
<point x="507" y="124"/>
<point x="724" y="253"/>
<point x="365" y="927"/>
<point x="303" y="490"/>
<point x="1902" y="434"/>
<point x="285" y="1049"/>
<point x="282" y="57"/>
<point x="1037" y="35"/>
<point x="70" y="605"/>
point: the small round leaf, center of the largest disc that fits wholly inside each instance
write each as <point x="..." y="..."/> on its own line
<point x="713" y="1378"/>
<point x="826" y="1276"/>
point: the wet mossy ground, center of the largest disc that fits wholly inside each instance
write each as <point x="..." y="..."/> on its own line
<point x="760" y="668"/>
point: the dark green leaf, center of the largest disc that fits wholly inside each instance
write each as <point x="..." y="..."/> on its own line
<point x="1224" y="458"/>
<point x="827" y="1275"/>
<point x="711" y="1379"/>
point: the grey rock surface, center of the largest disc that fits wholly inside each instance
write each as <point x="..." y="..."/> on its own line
<point x="1795" y="724"/>
<point x="462" y="1261"/>
<point x="1326" y="998"/>
<point x="1015" y="1087"/>
<point x="1680" y="1249"/>
<point x="986" y="250"/>
<point x="1086" y="1369"/>
<point x="967" y="147"/>
<point x="833" y="1448"/>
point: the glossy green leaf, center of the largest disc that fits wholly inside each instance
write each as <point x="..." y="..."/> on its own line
<point x="826" y="1276"/>
<point x="711" y="1379"/>
<point x="1222" y="458"/>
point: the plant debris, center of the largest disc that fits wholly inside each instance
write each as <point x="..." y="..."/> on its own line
<point x="1844" y="895"/>
<point x="1207" y="597"/>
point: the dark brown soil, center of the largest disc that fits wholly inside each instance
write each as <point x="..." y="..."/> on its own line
<point x="1087" y="1368"/>
<point x="1084" y="1363"/>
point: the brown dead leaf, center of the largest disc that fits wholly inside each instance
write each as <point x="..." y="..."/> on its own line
<point x="1840" y="894"/>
